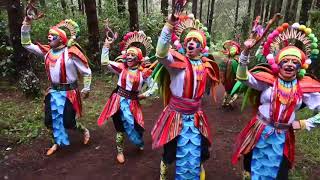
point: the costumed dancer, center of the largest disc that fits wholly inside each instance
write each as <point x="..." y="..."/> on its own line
<point x="63" y="61"/>
<point x="268" y="142"/>
<point x="183" y="129"/>
<point x="228" y="70"/>
<point x="123" y="105"/>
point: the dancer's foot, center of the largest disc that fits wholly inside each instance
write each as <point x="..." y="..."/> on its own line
<point x="120" y="158"/>
<point x="52" y="149"/>
<point x="86" y="136"/>
<point x="141" y="148"/>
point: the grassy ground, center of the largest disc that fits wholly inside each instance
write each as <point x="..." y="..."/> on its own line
<point x="21" y="118"/>
<point x="308" y="152"/>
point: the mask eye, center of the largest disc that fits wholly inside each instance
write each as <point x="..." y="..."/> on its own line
<point x="295" y="61"/>
<point x="54" y="37"/>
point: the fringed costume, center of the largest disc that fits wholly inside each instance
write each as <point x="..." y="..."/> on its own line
<point x="63" y="66"/>
<point x="268" y="142"/>
<point x="228" y="70"/>
<point x="182" y="128"/>
<point x="123" y="105"/>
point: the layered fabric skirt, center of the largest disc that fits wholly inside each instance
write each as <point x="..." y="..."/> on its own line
<point x="127" y="117"/>
<point x="268" y="152"/>
<point x="61" y="109"/>
<point x="125" y="123"/>
<point x="188" y="155"/>
<point x="183" y="130"/>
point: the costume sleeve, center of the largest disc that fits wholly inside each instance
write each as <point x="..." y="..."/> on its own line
<point x="26" y="41"/>
<point x="163" y="45"/>
<point x="114" y="67"/>
<point x="85" y="71"/>
<point x="152" y="87"/>
<point x="312" y="100"/>
<point x="244" y="75"/>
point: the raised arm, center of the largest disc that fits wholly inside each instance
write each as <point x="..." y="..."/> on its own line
<point x="26" y="40"/>
<point x="113" y="66"/>
<point x="244" y="75"/>
<point x="163" y="45"/>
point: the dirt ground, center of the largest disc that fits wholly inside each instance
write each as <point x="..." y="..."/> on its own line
<point x="97" y="160"/>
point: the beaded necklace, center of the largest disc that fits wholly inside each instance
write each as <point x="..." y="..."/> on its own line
<point x="53" y="56"/>
<point x="199" y="69"/>
<point x="286" y="90"/>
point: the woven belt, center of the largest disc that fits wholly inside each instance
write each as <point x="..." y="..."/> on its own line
<point x="276" y="125"/>
<point x="184" y="105"/>
<point x="127" y="94"/>
<point x="64" y="87"/>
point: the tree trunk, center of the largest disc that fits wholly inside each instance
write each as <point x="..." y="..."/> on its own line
<point x="64" y="5"/>
<point x="266" y="12"/>
<point x="200" y="15"/>
<point x="257" y="8"/>
<point x="15" y="17"/>
<point x="293" y="10"/>
<point x="121" y="7"/>
<point x="93" y="30"/>
<point x="164" y="7"/>
<point x="236" y="16"/>
<point x="194" y="7"/>
<point x="80" y="5"/>
<point x="272" y="8"/>
<point x="279" y="6"/>
<point x="305" y="7"/>
<point x="147" y="7"/>
<point x="144" y="6"/>
<point x="133" y="12"/>
<point x="249" y="7"/>
<point x="262" y="9"/>
<point x="72" y="8"/>
<point x="208" y="13"/>
<point x="211" y="15"/>
<point x="317" y="4"/>
<point x="287" y="13"/>
<point x="99" y="6"/>
<point x="43" y="3"/>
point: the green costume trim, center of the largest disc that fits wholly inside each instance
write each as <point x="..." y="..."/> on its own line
<point x="120" y="142"/>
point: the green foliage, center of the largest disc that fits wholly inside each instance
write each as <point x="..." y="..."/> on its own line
<point x="20" y="121"/>
<point x="29" y="83"/>
<point x="308" y="155"/>
<point x="315" y="26"/>
<point x="6" y="65"/>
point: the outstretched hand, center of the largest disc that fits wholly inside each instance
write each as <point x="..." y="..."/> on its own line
<point x="177" y="10"/>
<point x="84" y="94"/>
<point x="141" y="97"/>
<point x="248" y="44"/>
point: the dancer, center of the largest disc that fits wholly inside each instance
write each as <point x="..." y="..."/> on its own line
<point x="228" y="70"/>
<point x="267" y="142"/>
<point x="182" y="128"/>
<point x="123" y="105"/>
<point x="63" y="61"/>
